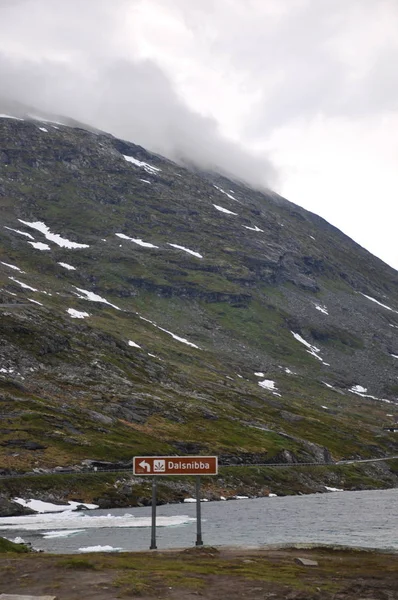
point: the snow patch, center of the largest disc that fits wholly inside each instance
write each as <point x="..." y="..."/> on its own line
<point x="76" y="314"/>
<point x="47" y="507"/>
<point x="40" y="246"/>
<point x="328" y="385"/>
<point x="186" y="250"/>
<point x="70" y="519"/>
<point x="359" y="390"/>
<point x="225" y="193"/>
<point x="133" y="344"/>
<point x="35" y="301"/>
<point x="333" y="489"/>
<point x="268" y="384"/>
<point x="139" y="163"/>
<point x="224" y="210"/>
<point x="20" y="232"/>
<point x="12" y="267"/>
<point x="379" y="303"/>
<point x="53" y="237"/>
<point x="43" y="129"/>
<point x="259" y="374"/>
<point x="313" y="350"/>
<point x="136" y="241"/>
<point x="255" y="228"/>
<point x="66" y="266"/>
<point x="394" y="355"/>
<point x="23" y="285"/>
<point x="18" y="540"/>
<point x="100" y="549"/>
<point x="192" y="500"/>
<point x="173" y="335"/>
<point x="322" y="309"/>
<point x="93" y="297"/>
<point x="145" y="181"/>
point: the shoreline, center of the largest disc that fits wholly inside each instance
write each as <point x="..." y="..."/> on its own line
<point x="124" y="490"/>
<point x="297" y="573"/>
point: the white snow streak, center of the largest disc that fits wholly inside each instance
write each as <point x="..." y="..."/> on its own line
<point x="40" y="246"/>
<point x="379" y="303"/>
<point x="81" y="520"/>
<point x="322" y="309"/>
<point x="47" y="507"/>
<point x="53" y="237"/>
<point x="139" y="163"/>
<point x="12" y="267"/>
<point x="23" y="285"/>
<point x="136" y="241"/>
<point x="224" y="192"/>
<point x="133" y="344"/>
<point x="313" y="350"/>
<point x="20" y="232"/>
<point x="224" y="210"/>
<point x="100" y="549"/>
<point x="259" y="374"/>
<point x="76" y="314"/>
<point x="173" y="335"/>
<point x="66" y="266"/>
<point x="359" y="390"/>
<point x="328" y="385"/>
<point x="43" y="129"/>
<point x="255" y="228"/>
<point x="186" y="250"/>
<point x="35" y="301"/>
<point x="93" y="297"/>
<point x="267" y="384"/>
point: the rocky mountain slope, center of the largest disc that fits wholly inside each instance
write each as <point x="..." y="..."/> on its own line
<point x="165" y="310"/>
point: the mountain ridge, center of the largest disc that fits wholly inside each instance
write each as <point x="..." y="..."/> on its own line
<point x="199" y="282"/>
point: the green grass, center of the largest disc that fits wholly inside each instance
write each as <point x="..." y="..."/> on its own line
<point x="9" y="547"/>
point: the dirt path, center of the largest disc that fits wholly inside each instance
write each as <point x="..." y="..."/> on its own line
<point x="207" y="573"/>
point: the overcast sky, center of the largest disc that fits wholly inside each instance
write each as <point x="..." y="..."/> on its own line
<point x="297" y="95"/>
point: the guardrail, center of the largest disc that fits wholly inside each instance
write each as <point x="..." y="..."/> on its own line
<point x="254" y="465"/>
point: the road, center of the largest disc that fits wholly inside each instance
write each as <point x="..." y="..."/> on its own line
<point x="285" y="465"/>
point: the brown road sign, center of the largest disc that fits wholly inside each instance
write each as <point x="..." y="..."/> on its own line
<point x="175" y="465"/>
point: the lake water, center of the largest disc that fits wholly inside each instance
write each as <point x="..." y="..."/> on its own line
<point x="362" y="519"/>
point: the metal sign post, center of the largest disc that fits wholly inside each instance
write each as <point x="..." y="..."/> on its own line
<point x="175" y="465"/>
<point x="153" y="523"/>
<point x="199" y="541"/>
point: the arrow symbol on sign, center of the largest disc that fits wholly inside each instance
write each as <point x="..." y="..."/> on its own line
<point x="145" y="465"/>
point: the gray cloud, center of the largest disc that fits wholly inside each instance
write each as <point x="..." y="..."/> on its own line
<point x="304" y="57"/>
<point x="76" y="70"/>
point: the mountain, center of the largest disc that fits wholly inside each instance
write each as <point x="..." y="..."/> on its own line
<point x="160" y="309"/>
